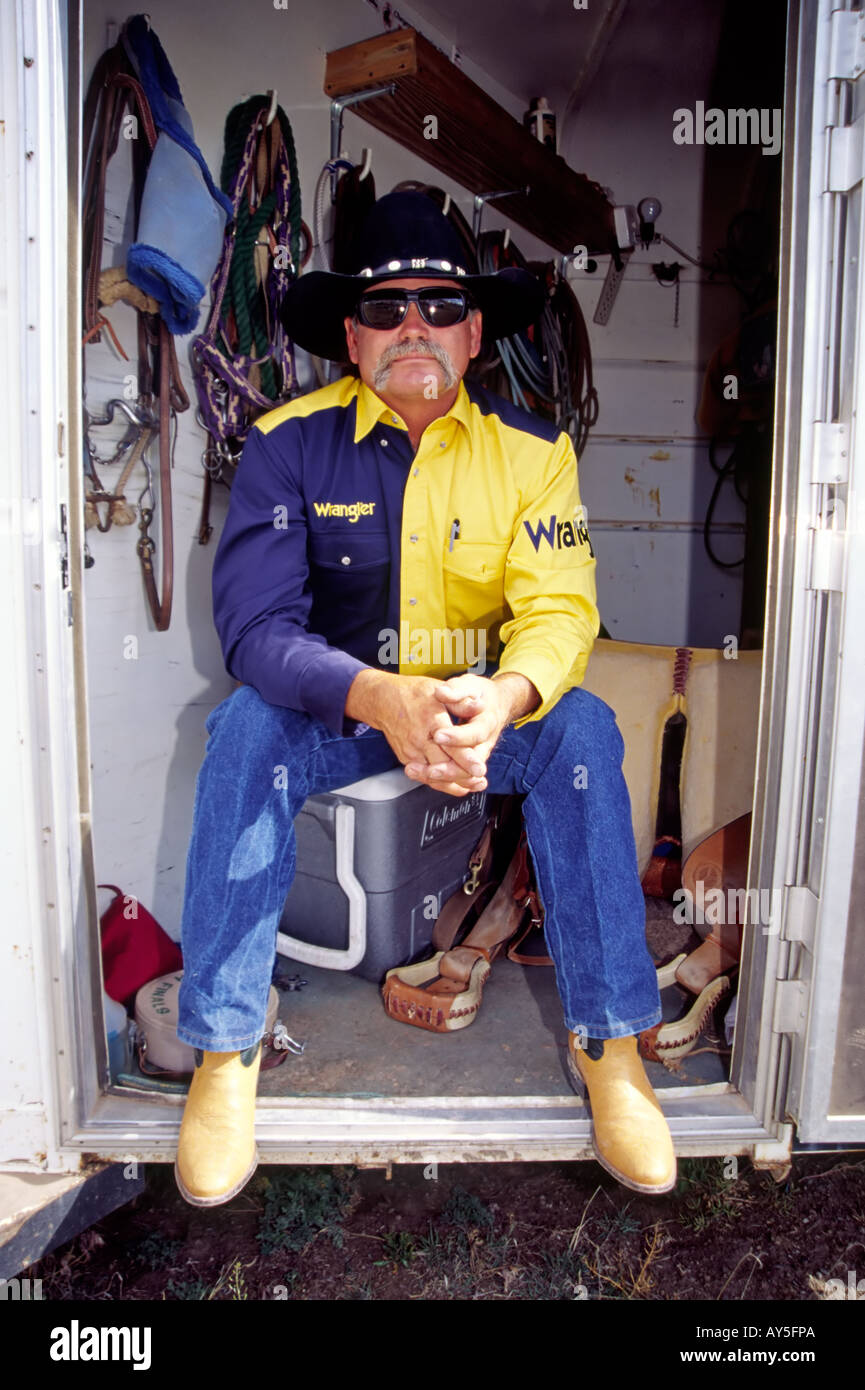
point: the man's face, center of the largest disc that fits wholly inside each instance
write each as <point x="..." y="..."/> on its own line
<point x="414" y="361"/>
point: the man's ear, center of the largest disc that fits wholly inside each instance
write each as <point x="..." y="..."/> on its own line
<point x="351" y="338"/>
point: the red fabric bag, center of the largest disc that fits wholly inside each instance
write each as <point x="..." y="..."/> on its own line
<point x="135" y="948"/>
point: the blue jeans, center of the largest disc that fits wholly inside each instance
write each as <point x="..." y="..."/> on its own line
<point x="263" y="761"/>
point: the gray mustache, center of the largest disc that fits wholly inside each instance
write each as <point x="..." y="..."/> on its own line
<point x="422" y="348"/>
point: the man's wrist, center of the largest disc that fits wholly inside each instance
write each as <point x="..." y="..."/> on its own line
<point x="521" y="696"/>
<point x="362" y="698"/>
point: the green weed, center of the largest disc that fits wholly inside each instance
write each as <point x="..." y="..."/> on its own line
<point x="462" y="1209"/>
<point x="399" y="1249"/>
<point x="622" y="1223"/>
<point x="156" y="1250"/>
<point x="194" y="1290"/>
<point x="706" y="1194"/>
<point x="300" y="1204"/>
<point x="557" y="1276"/>
<point x="703" y="1174"/>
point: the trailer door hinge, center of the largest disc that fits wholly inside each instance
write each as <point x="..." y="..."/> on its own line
<point x="847" y="45"/>
<point x="831" y="453"/>
<point x="800" y="917"/>
<point x="791" y="1001"/>
<point x="845" y="156"/>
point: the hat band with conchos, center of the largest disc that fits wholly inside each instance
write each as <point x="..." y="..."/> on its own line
<point x="415" y="263"/>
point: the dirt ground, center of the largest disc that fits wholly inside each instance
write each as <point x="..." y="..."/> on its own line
<point x="547" y="1231"/>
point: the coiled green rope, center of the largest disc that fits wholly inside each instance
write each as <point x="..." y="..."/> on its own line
<point x="242" y="293"/>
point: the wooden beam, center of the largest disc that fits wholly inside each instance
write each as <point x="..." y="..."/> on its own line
<point x="450" y="122"/>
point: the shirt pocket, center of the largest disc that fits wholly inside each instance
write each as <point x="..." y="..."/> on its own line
<point x="349" y="575"/>
<point x="474" y="580"/>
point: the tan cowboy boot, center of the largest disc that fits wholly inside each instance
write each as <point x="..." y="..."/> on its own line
<point x="216" y="1153"/>
<point x="630" y="1136"/>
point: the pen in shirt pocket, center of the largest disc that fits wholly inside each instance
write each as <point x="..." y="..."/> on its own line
<point x="455" y="533"/>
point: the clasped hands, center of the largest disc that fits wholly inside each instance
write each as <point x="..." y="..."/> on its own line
<point x="416" y="715"/>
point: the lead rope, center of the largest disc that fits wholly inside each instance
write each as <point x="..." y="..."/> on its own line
<point x="243" y="362"/>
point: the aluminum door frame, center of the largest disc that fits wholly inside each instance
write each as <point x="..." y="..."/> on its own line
<point x="812" y="710"/>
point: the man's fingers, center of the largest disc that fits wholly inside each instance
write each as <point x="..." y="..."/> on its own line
<point x="467" y="735"/>
<point x="444" y="769"/>
<point x="456" y="766"/>
<point x="471" y="761"/>
<point x="458" y="762"/>
<point x="423" y="772"/>
<point x="451" y="697"/>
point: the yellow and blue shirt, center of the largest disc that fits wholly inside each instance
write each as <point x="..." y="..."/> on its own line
<point x="343" y="548"/>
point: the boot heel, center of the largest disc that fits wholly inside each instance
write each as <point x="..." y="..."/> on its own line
<point x="577" y="1084"/>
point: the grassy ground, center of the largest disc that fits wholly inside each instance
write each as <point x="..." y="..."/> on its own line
<point x="488" y="1232"/>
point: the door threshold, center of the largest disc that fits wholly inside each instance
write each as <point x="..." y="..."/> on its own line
<point x="704" y="1121"/>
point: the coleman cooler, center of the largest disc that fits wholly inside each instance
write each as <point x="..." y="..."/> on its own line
<point x="375" y="862"/>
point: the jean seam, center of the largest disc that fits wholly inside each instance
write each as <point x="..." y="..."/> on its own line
<point x="624" y="1030"/>
<point x="220" y="1044"/>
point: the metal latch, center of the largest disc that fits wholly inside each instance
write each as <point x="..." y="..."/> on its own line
<point x="473" y="879"/>
<point x="64" y="549"/>
<point x="282" y="1041"/>
<point x="791" y="1004"/>
<point x="64" y="565"/>
<point x="827" y="560"/>
<point x="845" y="156"/>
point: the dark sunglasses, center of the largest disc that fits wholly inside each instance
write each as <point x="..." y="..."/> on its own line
<point x="385" y="309"/>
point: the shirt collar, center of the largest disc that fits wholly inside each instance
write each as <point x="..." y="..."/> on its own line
<point x="372" y="410"/>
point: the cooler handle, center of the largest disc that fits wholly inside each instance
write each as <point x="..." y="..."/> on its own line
<point x="328" y="957"/>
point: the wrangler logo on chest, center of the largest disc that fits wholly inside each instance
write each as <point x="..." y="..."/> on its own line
<point x="352" y="510"/>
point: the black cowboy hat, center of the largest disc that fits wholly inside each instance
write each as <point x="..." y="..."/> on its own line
<point x="404" y="234"/>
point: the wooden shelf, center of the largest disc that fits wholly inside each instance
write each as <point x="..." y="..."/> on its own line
<point x="479" y="144"/>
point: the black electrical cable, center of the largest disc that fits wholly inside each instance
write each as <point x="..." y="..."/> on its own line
<point x="731" y="466"/>
<point x="743" y="463"/>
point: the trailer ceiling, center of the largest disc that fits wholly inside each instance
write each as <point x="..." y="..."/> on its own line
<point x="532" y="47"/>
